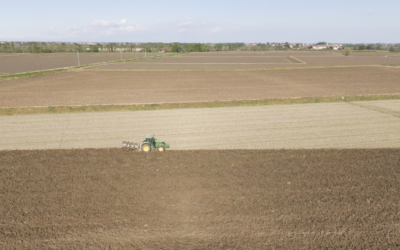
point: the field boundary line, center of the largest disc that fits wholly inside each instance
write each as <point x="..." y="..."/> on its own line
<point x="219" y="63"/>
<point x="134" y="59"/>
<point x="185" y="105"/>
<point x="377" y="109"/>
<point x="255" y="69"/>
<point x="62" y="136"/>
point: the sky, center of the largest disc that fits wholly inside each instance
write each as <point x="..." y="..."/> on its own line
<point x="206" y="21"/>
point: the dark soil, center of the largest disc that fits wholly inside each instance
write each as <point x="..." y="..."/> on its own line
<point x="230" y="199"/>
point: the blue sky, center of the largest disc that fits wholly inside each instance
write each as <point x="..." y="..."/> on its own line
<point x="351" y="21"/>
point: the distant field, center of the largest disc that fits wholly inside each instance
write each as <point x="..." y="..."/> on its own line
<point x="15" y="63"/>
<point x="124" y="87"/>
<point x="256" y="60"/>
<point x="323" y="125"/>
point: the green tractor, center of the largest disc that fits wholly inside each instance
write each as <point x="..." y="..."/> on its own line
<point x="149" y="144"/>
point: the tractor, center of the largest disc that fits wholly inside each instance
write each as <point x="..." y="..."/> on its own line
<point x="150" y="143"/>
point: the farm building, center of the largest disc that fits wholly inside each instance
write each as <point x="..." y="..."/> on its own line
<point x="319" y="47"/>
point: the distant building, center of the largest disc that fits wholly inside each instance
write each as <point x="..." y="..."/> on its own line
<point x="332" y="46"/>
<point x="335" y="47"/>
<point x="319" y="47"/>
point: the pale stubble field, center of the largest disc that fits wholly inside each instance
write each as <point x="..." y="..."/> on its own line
<point x="327" y="125"/>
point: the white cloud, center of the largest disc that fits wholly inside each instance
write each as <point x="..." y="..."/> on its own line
<point x="72" y="28"/>
<point x="185" y="24"/>
<point x="183" y="30"/>
<point x="99" y="27"/>
<point x="105" y="23"/>
<point x="131" y="28"/>
<point x="215" y="30"/>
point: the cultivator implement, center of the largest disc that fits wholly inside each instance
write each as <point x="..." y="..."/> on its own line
<point x="127" y="144"/>
<point x="149" y="144"/>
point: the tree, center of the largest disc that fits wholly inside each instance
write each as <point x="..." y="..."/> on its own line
<point x="94" y="48"/>
<point x="361" y="47"/>
<point x="63" y="47"/>
<point x="198" y="47"/>
<point x="346" y="51"/>
<point x="218" y="47"/>
<point x="175" y="48"/>
<point x="391" y="49"/>
<point x="321" y="43"/>
<point x="111" y="47"/>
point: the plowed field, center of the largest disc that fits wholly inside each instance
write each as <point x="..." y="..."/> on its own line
<point x="15" y="63"/>
<point x="124" y="87"/>
<point x="285" y="199"/>
<point x="256" y="60"/>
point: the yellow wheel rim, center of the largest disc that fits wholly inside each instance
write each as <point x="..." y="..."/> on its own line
<point x="146" y="148"/>
<point x="160" y="149"/>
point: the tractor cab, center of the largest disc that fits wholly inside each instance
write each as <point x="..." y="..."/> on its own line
<point x="151" y="140"/>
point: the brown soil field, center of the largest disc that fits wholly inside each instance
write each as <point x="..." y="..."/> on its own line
<point x="231" y="199"/>
<point x="16" y="63"/>
<point x="298" y="126"/>
<point x="257" y="60"/>
<point x="84" y="87"/>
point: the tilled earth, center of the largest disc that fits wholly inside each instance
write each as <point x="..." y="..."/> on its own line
<point x="14" y="63"/>
<point x="227" y="199"/>
<point x="130" y="87"/>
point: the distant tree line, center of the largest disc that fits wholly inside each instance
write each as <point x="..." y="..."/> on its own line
<point x="377" y="46"/>
<point x="59" y="47"/>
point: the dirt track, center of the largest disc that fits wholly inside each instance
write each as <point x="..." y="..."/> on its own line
<point x="285" y="199"/>
<point x="94" y="87"/>
<point x="325" y="125"/>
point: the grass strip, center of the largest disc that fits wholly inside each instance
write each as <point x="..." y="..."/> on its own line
<point x="31" y="73"/>
<point x="213" y="104"/>
<point x="297" y="60"/>
<point x="391" y="65"/>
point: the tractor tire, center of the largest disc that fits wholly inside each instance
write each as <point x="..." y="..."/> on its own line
<point x="160" y="149"/>
<point x="146" y="147"/>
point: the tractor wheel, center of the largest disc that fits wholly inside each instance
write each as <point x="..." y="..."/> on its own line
<point x="160" y="149"/>
<point x="146" y="147"/>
